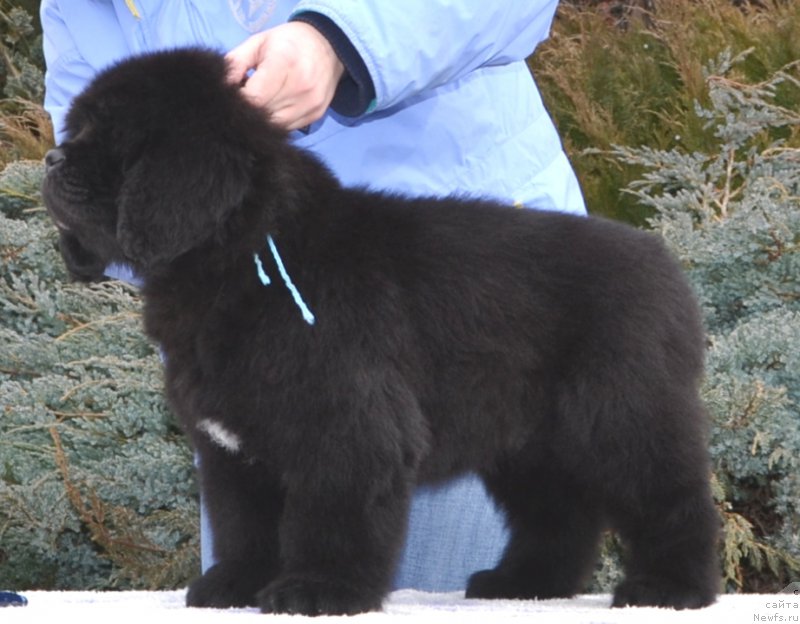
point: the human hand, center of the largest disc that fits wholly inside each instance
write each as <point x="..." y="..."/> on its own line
<point x="295" y="73"/>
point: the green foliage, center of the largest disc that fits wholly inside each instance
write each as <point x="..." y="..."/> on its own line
<point x="96" y="481"/>
<point x="20" y="182"/>
<point x="733" y="216"/>
<point x="637" y="83"/>
<point x="21" y="53"/>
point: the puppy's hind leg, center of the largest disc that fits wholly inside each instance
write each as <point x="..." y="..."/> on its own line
<point x="555" y="530"/>
<point x="670" y="525"/>
<point x="672" y="556"/>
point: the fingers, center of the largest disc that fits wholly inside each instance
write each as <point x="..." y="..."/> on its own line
<point x="242" y="59"/>
<point x="294" y="73"/>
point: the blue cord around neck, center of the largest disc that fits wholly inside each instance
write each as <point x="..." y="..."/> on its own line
<point x="262" y="275"/>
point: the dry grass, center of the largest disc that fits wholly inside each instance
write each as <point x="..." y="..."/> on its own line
<point x="635" y="82"/>
<point x="25" y="131"/>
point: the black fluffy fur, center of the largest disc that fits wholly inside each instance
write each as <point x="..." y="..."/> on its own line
<point x="557" y="356"/>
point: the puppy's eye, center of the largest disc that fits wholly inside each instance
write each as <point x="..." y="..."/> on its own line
<point x="82" y="133"/>
<point x="80" y="124"/>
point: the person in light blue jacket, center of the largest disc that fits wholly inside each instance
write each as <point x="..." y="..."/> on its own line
<point x="420" y="97"/>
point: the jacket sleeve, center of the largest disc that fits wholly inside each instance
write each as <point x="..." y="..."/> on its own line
<point x="416" y="45"/>
<point x="67" y="72"/>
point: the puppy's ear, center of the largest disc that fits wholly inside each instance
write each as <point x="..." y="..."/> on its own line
<point x="177" y="194"/>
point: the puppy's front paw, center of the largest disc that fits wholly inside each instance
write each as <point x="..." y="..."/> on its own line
<point x="227" y="585"/>
<point x="305" y="596"/>
<point x="647" y="592"/>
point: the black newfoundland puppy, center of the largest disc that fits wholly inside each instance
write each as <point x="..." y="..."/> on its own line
<point x="328" y="348"/>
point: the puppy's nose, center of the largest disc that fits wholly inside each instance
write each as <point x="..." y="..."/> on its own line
<point x="53" y="158"/>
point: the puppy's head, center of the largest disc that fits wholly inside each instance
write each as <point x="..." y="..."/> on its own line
<point x="159" y="152"/>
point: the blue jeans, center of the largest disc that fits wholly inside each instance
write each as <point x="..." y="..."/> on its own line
<point x="454" y="530"/>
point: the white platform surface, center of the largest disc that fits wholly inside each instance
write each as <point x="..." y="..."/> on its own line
<point x="406" y="605"/>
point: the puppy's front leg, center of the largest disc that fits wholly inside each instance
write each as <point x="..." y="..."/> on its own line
<point x="340" y="539"/>
<point x="244" y="505"/>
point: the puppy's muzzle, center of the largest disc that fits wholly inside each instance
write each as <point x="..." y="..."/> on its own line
<point x="54" y="158"/>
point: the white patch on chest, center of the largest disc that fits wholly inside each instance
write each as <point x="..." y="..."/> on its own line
<point x="220" y="435"/>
